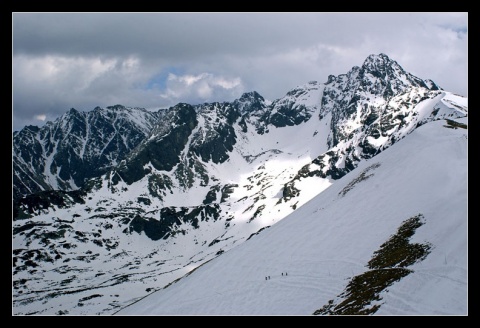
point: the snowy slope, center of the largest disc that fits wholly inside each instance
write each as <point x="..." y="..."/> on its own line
<point x="331" y="238"/>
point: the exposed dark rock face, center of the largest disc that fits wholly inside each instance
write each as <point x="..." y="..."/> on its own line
<point x="163" y="147"/>
<point x="172" y="219"/>
<point x="76" y="147"/>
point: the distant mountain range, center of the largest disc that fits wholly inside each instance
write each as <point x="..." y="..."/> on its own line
<point x="112" y="204"/>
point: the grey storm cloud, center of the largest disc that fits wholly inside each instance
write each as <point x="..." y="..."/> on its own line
<point x="168" y="35"/>
<point x="155" y="60"/>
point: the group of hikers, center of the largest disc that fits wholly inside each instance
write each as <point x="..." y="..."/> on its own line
<point x="268" y="277"/>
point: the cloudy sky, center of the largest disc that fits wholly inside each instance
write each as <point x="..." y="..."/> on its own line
<point x="155" y="60"/>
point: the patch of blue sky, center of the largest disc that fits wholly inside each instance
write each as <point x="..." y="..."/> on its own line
<point x="460" y="30"/>
<point x="159" y="81"/>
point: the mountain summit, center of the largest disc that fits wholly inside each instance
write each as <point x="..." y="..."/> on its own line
<point x="113" y="204"/>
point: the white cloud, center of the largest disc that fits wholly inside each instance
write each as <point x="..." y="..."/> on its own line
<point x="204" y="91"/>
<point x="203" y="87"/>
<point x="187" y="79"/>
<point x="41" y="117"/>
<point x="74" y="73"/>
<point x="228" y="84"/>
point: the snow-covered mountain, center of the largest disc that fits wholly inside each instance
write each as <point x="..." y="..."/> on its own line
<point x="76" y="147"/>
<point x="162" y="193"/>
<point x="388" y="238"/>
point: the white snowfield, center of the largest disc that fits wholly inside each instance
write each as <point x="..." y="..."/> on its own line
<point x="311" y="254"/>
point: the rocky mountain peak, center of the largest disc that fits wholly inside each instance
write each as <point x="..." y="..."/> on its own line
<point x="388" y="73"/>
<point x="73" y="111"/>
<point x="378" y="61"/>
<point x="250" y="102"/>
<point x="116" y="107"/>
<point x="331" y="78"/>
<point x="432" y="85"/>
